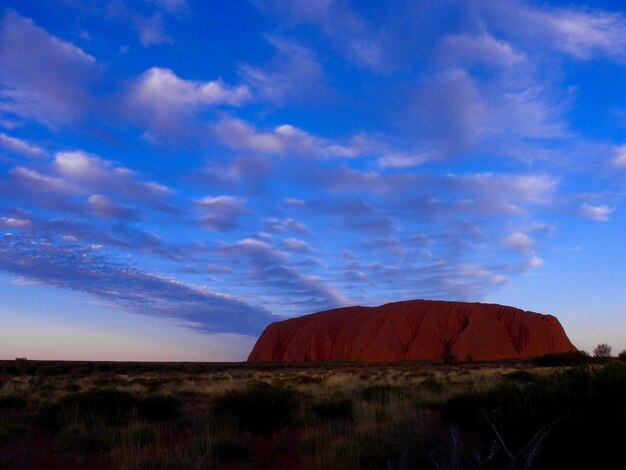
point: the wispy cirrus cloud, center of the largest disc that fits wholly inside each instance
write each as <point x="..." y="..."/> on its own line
<point x="293" y="75"/>
<point x="20" y="146"/>
<point x="79" y="268"/>
<point x="583" y="33"/>
<point x="269" y="269"/>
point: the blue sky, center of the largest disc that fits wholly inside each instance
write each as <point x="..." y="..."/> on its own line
<point x="175" y="174"/>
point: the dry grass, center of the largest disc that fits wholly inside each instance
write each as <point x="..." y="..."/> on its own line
<point x="347" y="416"/>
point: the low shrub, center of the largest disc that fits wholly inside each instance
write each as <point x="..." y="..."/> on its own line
<point x="573" y="358"/>
<point x="138" y="436"/>
<point x="93" y="406"/>
<point x="258" y="408"/>
<point x="449" y="359"/>
<point x="84" y="439"/>
<point x="332" y="408"/>
<point x="159" y="407"/>
<point x="12" y="403"/>
<point x="520" y="376"/>
<point x="378" y="392"/>
<point x="228" y="447"/>
<point x="49" y="370"/>
<point x="303" y="379"/>
<point x="11" y="430"/>
<point x="430" y="385"/>
<point x="575" y="417"/>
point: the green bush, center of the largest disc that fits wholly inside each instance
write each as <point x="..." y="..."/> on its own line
<point x="258" y="408"/>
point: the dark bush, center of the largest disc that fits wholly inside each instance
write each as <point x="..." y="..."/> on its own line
<point x="581" y="411"/>
<point x="449" y="359"/>
<point x="82" y="439"/>
<point x="71" y="387"/>
<point x="159" y="407"/>
<point x="602" y="350"/>
<point x="378" y="392"/>
<point x="194" y="369"/>
<point x="303" y="379"/>
<point x="49" y="370"/>
<point x="229" y="448"/>
<point x="332" y="408"/>
<point x="12" y="403"/>
<point x="258" y="408"/>
<point x="431" y="385"/>
<point x="521" y="376"/>
<point x="11" y="430"/>
<point x="93" y="406"/>
<point x="139" y="436"/>
<point x="622" y="356"/>
<point x="562" y="359"/>
<point x="82" y="371"/>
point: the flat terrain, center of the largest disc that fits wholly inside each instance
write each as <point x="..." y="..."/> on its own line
<point x="69" y="415"/>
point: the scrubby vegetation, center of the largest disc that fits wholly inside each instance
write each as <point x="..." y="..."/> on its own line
<point x="558" y="411"/>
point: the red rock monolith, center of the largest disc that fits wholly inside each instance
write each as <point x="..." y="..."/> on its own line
<point x="410" y="330"/>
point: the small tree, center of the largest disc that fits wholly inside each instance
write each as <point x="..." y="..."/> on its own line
<point x="602" y="350"/>
<point x="622" y="356"/>
<point x="449" y="359"/>
<point x="21" y="364"/>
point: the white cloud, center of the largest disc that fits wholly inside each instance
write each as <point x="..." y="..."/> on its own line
<point x="620" y="157"/>
<point x="42" y="77"/>
<point x="220" y="212"/>
<point x="34" y="181"/>
<point x="585" y="34"/>
<point x="282" y="139"/>
<point x="285" y="139"/>
<point x="404" y="160"/>
<point x="86" y="168"/>
<point x="295" y="244"/>
<point x="151" y="31"/>
<point x="14" y="222"/>
<point x="600" y="213"/>
<point x="163" y="90"/>
<point x="464" y="49"/>
<point x="20" y="146"/>
<point x="167" y="104"/>
<point x="519" y="241"/>
<point x="105" y="207"/>
<point x="293" y="74"/>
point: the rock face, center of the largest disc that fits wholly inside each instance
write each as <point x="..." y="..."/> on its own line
<point x="414" y="329"/>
